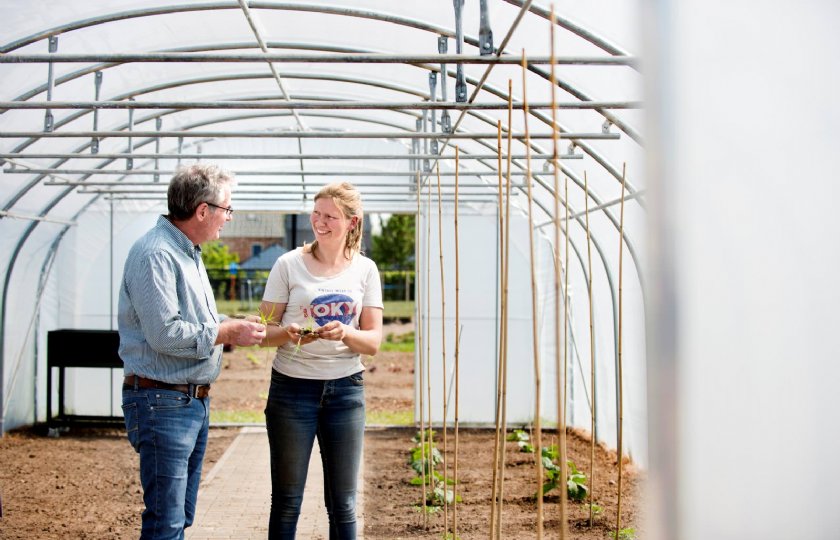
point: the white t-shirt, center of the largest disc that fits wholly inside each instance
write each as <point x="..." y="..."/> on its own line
<point x="318" y="300"/>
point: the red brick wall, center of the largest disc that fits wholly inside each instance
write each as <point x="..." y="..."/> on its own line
<point x="242" y="246"/>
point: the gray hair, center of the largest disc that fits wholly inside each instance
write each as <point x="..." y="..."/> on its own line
<point x="193" y="185"/>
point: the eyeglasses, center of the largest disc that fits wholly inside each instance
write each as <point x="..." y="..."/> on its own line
<point x="228" y="210"/>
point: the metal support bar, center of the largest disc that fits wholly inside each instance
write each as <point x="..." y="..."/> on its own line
<point x="32" y="217"/>
<point x="158" y="125"/>
<point x="412" y="156"/>
<point x="290" y="183"/>
<point x="49" y="120"/>
<point x="432" y="97"/>
<point x="362" y="58"/>
<point x="460" y="82"/>
<point x="489" y="199"/>
<point x="418" y="127"/>
<point x="152" y="172"/>
<point x="445" y="120"/>
<point x="97" y="89"/>
<point x="129" y="162"/>
<point x="425" y="140"/>
<point x="292" y="134"/>
<point x="485" y="33"/>
<point x="489" y="190"/>
<point x="629" y="197"/>
<point x="270" y="104"/>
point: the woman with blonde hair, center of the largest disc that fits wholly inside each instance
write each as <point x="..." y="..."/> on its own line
<point x="327" y="299"/>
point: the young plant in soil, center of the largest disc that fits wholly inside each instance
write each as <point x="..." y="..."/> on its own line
<point x="424" y="457"/>
<point x="575" y="481"/>
<point x="522" y="439"/>
<point x="624" y="534"/>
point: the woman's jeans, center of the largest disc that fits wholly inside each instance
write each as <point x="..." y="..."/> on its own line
<point x="297" y="411"/>
<point x="169" y="431"/>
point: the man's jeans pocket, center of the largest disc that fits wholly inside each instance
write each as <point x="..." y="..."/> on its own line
<point x="132" y="425"/>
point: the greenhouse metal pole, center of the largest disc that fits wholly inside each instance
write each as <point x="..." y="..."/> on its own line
<point x="273" y="104"/>
<point x="153" y="172"/>
<point x="608" y="204"/>
<point x="278" y="157"/>
<point x="290" y="135"/>
<point x="162" y="193"/>
<point x="266" y="157"/>
<point x="117" y="183"/>
<point x="321" y="58"/>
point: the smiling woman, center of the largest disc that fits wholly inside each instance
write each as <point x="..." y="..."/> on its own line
<point x="317" y="383"/>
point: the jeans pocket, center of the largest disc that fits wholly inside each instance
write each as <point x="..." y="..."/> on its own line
<point x="168" y="399"/>
<point x="357" y="379"/>
<point x="132" y="424"/>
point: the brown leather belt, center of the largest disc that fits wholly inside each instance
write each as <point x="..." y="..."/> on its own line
<point x="199" y="391"/>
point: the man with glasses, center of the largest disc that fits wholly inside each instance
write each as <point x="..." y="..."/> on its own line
<point x="171" y="339"/>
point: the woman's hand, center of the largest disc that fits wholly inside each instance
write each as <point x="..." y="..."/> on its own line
<point x="298" y="337"/>
<point x="333" y="331"/>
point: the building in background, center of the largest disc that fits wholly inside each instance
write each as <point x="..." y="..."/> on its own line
<point x="253" y="231"/>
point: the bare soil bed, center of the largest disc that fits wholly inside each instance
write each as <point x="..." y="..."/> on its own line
<point x="85" y="483"/>
<point x="390" y="501"/>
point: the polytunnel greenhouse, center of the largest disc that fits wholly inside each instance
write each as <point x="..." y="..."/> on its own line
<point x="623" y="230"/>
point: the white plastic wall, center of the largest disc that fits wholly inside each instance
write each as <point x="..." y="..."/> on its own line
<point x="743" y="147"/>
<point x="479" y="318"/>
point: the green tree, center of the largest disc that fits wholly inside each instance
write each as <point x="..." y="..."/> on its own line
<point x="393" y="247"/>
<point x="217" y="258"/>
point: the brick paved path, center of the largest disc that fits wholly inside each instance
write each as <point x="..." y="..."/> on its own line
<point x="234" y="499"/>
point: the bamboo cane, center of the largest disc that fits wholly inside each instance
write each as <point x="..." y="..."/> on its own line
<point x="443" y="347"/>
<point x="566" y="307"/>
<point x="428" y="340"/>
<point x="457" y="354"/>
<point x="418" y="296"/>
<point x="534" y="331"/>
<point x="620" y="346"/>
<point x="561" y="396"/>
<point x="591" y="350"/>
<point x="496" y="442"/>
<point x="506" y="277"/>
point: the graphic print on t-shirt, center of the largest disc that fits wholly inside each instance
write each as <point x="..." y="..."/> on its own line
<point x="331" y="307"/>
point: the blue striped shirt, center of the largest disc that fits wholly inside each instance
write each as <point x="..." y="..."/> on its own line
<point x="167" y="315"/>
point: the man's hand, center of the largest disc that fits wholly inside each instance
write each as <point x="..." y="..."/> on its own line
<point x="241" y="332"/>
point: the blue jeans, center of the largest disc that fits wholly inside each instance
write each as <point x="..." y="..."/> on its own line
<point x="169" y="431"/>
<point x="297" y="411"/>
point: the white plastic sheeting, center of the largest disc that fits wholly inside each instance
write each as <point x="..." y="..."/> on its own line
<point x="744" y="359"/>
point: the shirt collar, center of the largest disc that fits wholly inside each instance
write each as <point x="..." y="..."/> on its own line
<point x="178" y="237"/>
